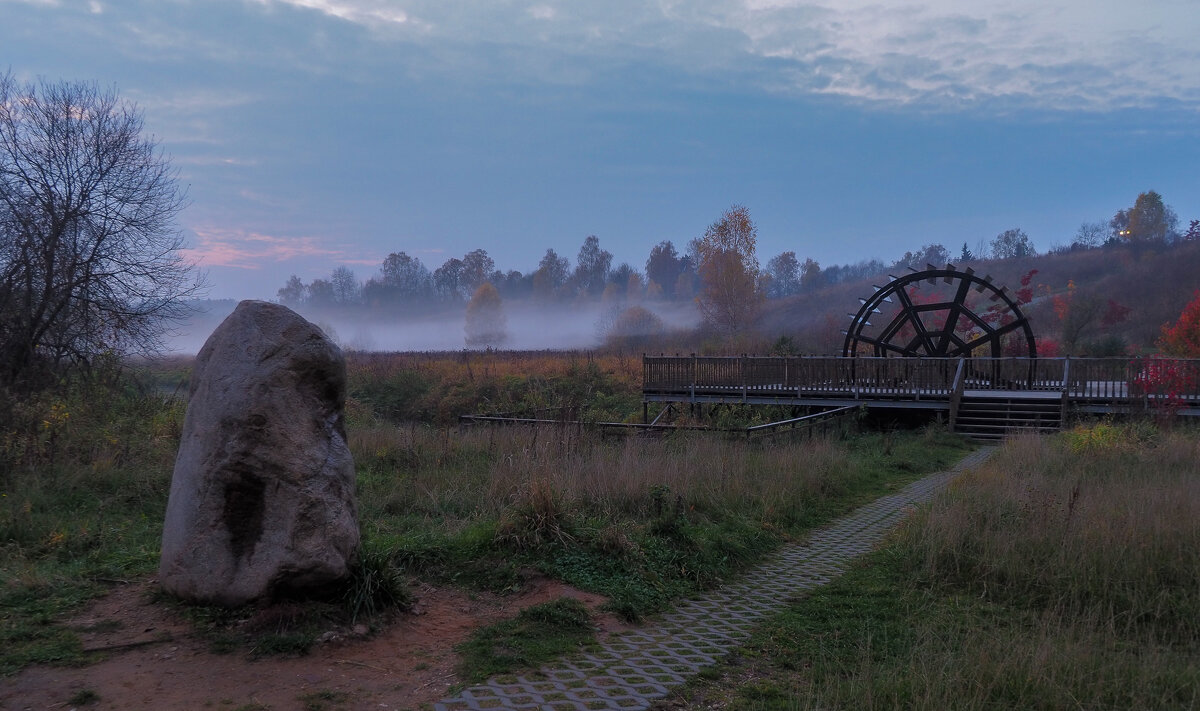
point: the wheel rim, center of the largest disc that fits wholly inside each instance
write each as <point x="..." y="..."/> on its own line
<point x="957" y="315"/>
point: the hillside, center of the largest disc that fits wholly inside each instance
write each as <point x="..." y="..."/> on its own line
<point x="1149" y="286"/>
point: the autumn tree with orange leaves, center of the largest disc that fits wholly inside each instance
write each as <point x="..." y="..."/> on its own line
<point x="485" y="322"/>
<point x="732" y="288"/>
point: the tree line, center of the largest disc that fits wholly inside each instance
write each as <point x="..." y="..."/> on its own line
<point x="404" y="281"/>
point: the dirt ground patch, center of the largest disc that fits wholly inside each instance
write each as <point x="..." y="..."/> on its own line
<point x="151" y="658"/>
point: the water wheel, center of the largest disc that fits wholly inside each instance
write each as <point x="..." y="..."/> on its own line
<point x="963" y="315"/>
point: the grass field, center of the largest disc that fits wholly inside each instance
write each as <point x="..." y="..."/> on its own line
<point x="1064" y="573"/>
<point x="642" y="521"/>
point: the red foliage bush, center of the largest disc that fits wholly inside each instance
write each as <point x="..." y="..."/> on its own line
<point x="1183" y="338"/>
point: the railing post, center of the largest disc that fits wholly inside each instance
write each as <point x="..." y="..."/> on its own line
<point x="693" y="378"/>
<point x="1066" y="392"/>
<point x="956" y="391"/>
<point x="742" y="363"/>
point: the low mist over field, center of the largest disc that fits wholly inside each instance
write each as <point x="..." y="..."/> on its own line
<point x="530" y="327"/>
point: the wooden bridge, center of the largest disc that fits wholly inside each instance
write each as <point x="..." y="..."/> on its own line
<point x="982" y="397"/>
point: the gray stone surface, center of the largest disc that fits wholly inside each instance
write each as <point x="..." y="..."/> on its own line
<point x="262" y="498"/>
<point x="632" y="670"/>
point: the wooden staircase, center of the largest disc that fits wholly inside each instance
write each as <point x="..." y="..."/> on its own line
<point x="997" y="415"/>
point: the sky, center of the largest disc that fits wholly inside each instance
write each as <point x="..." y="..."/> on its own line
<point x="312" y="134"/>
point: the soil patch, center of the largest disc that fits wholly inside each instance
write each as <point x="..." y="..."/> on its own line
<point x="149" y="657"/>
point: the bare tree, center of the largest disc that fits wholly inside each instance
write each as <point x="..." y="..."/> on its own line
<point x="552" y="273"/>
<point x="592" y="267"/>
<point x="406" y="275"/>
<point x="934" y="254"/>
<point x="784" y="272"/>
<point x="663" y="267"/>
<point x="1011" y="244"/>
<point x="90" y="257"/>
<point x="346" y="289"/>
<point x="294" y="293"/>
<point x="1090" y="235"/>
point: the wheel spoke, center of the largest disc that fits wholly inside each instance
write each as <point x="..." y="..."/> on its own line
<point x="943" y="340"/>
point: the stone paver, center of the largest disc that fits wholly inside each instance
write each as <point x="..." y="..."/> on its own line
<point x="633" y="669"/>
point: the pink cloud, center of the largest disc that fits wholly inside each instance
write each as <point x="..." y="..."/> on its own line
<point x="220" y="247"/>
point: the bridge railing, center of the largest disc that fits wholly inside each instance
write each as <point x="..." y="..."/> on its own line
<point x="1150" y="379"/>
<point x="900" y="377"/>
<point x="1025" y="374"/>
<point x="1114" y="380"/>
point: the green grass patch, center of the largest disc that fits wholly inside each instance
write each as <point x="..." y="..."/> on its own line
<point x="282" y="629"/>
<point x="323" y="700"/>
<point x="535" y="636"/>
<point x="83" y="697"/>
<point x="32" y="627"/>
<point x="84" y="473"/>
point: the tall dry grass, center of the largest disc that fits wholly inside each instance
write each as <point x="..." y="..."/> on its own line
<point x="639" y="520"/>
<point x="1100" y="524"/>
<point x="445" y="474"/>
<point x="438" y="387"/>
<point x="1064" y="573"/>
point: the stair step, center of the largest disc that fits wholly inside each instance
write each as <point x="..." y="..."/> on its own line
<point x="1008" y="406"/>
<point x="1014" y="406"/>
<point x="996" y="417"/>
<point x="1002" y="430"/>
<point x="1008" y="413"/>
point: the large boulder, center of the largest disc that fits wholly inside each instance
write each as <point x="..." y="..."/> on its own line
<point x="262" y="498"/>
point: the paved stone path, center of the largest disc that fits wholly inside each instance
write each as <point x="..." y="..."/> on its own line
<point x="633" y="669"/>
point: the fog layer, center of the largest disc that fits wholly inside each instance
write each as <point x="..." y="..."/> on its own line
<point x="528" y="326"/>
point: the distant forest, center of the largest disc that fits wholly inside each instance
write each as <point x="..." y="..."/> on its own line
<point x="720" y="276"/>
<point x="668" y="274"/>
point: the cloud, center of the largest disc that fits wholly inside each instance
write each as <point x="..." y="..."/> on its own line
<point x="364" y="12"/>
<point x="224" y="247"/>
<point x="944" y="55"/>
<point x="1089" y="55"/>
<point x="192" y="100"/>
<point x="218" y="160"/>
<point x="1061" y="54"/>
<point x="191" y="116"/>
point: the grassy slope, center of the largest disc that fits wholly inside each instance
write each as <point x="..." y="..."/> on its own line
<point x="1155" y="283"/>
